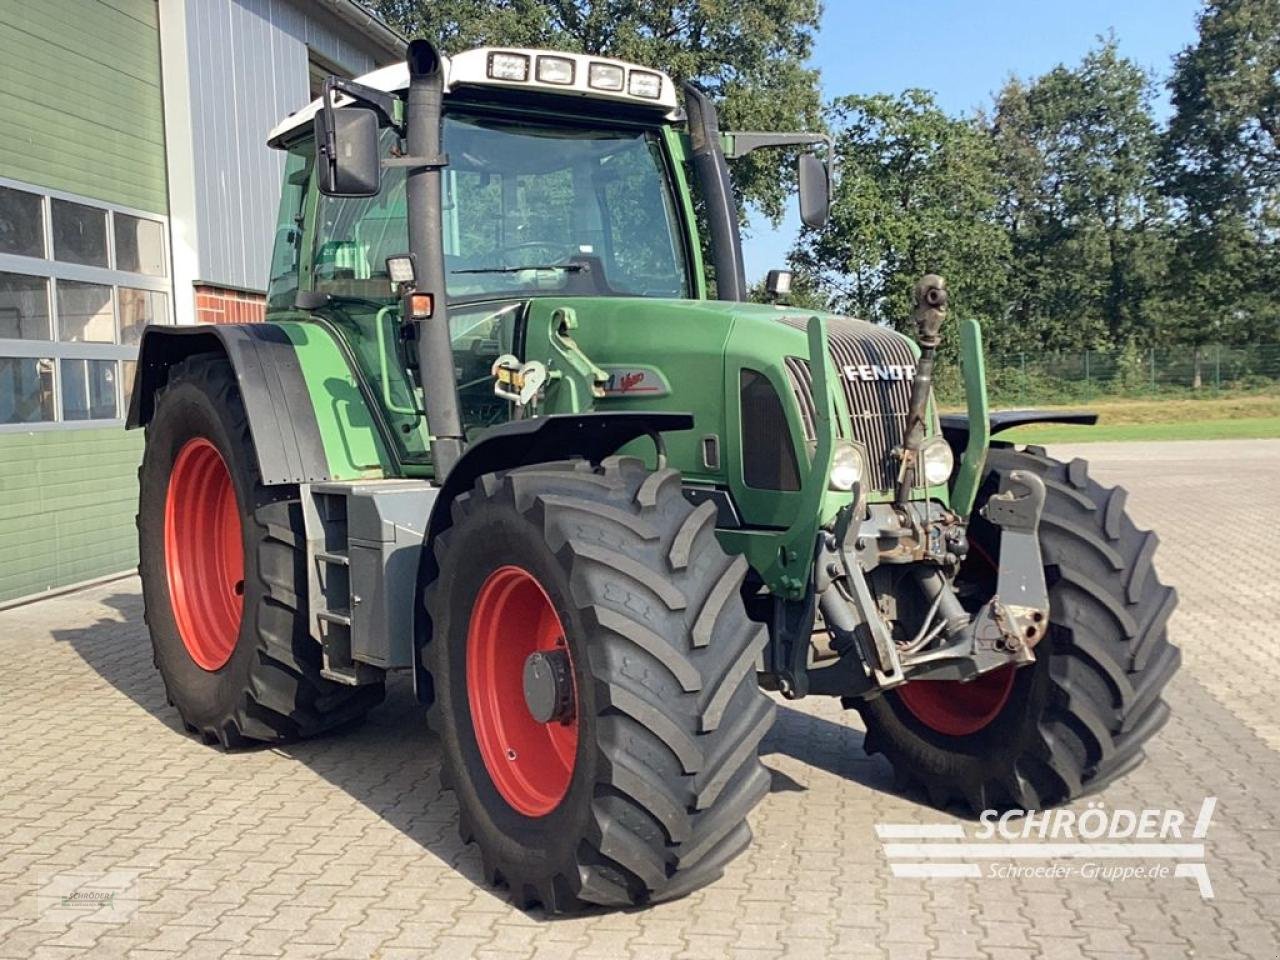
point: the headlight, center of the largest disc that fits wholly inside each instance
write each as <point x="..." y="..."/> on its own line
<point x="848" y="466"/>
<point x="938" y="462"/>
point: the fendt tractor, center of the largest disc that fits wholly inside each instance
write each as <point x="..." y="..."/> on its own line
<point x="498" y="431"/>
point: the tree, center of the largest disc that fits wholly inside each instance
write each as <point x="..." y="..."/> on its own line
<point x="1079" y="199"/>
<point x="1222" y="171"/>
<point x="916" y="194"/>
<point x="750" y="55"/>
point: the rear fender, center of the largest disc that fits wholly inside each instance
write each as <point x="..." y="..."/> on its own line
<point x="308" y="417"/>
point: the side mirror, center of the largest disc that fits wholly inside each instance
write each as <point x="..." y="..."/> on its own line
<point x="815" y="192"/>
<point x="347" y="161"/>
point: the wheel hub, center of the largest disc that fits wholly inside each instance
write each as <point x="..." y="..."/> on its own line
<point x="548" y="686"/>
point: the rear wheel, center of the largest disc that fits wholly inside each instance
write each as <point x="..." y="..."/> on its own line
<point x="223" y="573"/>
<point x="1078" y="717"/>
<point x="595" y="689"/>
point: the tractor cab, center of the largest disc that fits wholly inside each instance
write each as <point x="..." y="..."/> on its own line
<point x="564" y="180"/>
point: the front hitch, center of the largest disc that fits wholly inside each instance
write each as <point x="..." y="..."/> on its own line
<point x="1009" y="625"/>
<point x="951" y="644"/>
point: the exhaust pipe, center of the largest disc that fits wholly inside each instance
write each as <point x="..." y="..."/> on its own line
<point x="930" y="312"/>
<point x="423" y="110"/>
<point x="717" y="190"/>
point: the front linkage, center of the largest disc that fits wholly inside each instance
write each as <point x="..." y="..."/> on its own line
<point x="927" y="542"/>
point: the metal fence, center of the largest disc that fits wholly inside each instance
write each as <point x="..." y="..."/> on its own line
<point x="1024" y="379"/>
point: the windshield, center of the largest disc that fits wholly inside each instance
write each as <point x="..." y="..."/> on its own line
<point x="526" y="209"/>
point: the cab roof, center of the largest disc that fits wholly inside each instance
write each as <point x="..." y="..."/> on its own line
<point x="544" y="72"/>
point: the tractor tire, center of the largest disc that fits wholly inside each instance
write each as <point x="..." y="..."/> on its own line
<point x="1077" y="718"/>
<point x="638" y="789"/>
<point x="223" y="568"/>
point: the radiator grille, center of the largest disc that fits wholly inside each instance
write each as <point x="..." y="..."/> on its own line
<point x="878" y="408"/>
<point x="768" y="453"/>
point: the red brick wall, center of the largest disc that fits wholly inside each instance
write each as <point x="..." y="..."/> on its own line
<point x="218" y="305"/>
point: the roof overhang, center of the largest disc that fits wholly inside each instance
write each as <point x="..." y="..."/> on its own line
<point x="369" y="25"/>
<point x="474" y="69"/>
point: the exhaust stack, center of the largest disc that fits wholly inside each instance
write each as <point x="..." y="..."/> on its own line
<point x="423" y="110"/>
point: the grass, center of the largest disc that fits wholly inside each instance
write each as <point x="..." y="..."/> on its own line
<point x="1246" y="429"/>
<point x="1238" y="417"/>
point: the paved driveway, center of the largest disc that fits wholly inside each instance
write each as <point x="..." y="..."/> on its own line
<point x="346" y="846"/>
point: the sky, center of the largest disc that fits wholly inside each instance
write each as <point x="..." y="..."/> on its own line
<point x="963" y="52"/>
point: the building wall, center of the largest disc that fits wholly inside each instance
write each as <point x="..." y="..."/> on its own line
<point x="216" y="305"/>
<point x="82" y="107"/>
<point x="247" y="68"/>
<point x="67" y="503"/>
<point x="82" y="118"/>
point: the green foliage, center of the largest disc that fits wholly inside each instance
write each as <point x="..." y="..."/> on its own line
<point x="917" y="194"/>
<point x="1065" y="218"/>
<point x="749" y="54"/>
<point x="1222" y="169"/>
<point x="1075" y="152"/>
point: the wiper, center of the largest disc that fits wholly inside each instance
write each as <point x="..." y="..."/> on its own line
<point x="567" y="267"/>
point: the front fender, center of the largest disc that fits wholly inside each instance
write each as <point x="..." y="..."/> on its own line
<point x="519" y="443"/>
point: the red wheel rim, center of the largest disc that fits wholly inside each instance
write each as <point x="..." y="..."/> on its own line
<point x="958" y="709"/>
<point x="204" y="553"/>
<point x="530" y="763"/>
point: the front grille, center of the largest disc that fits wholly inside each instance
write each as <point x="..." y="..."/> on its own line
<point x="878" y="408"/>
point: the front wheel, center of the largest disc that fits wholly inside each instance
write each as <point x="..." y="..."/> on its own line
<point x="1078" y="717"/>
<point x="595" y="689"/>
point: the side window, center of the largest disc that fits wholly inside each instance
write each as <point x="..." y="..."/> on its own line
<point x="287" y="247"/>
<point x="354" y="237"/>
<point x="642" y="256"/>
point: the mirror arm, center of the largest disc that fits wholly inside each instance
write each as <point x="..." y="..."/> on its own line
<point x="380" y="100"/>
<point x="743" y="142"/>
<point x="740" y="143"/>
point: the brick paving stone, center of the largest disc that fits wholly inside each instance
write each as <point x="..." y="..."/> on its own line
<point x="346" y="846"/>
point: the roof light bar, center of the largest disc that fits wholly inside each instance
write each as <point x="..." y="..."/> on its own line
<point x="508" y="66"/>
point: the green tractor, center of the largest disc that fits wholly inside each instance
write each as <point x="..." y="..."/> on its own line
<point x="497" y="431"/>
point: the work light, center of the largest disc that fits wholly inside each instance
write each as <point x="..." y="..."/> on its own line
<point x="605" y="76"/>
<point x="508" y="66"/>
<point x="400" y="268"/>
<point x="644" y="84"/>
<point x="555" y="70"/>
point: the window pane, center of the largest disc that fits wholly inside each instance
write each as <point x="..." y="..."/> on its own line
<point x="84" y="312"/>
<point x="139" y="245"/>
<point x="79" y="233"/>
<point x="88" y="389"/>
<point x="137" y="309"/>
<point x="26" y="390"/>
<point x="24" y="307"/>
<point x="128" y="370"/>
<point x="21" y="223"/>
